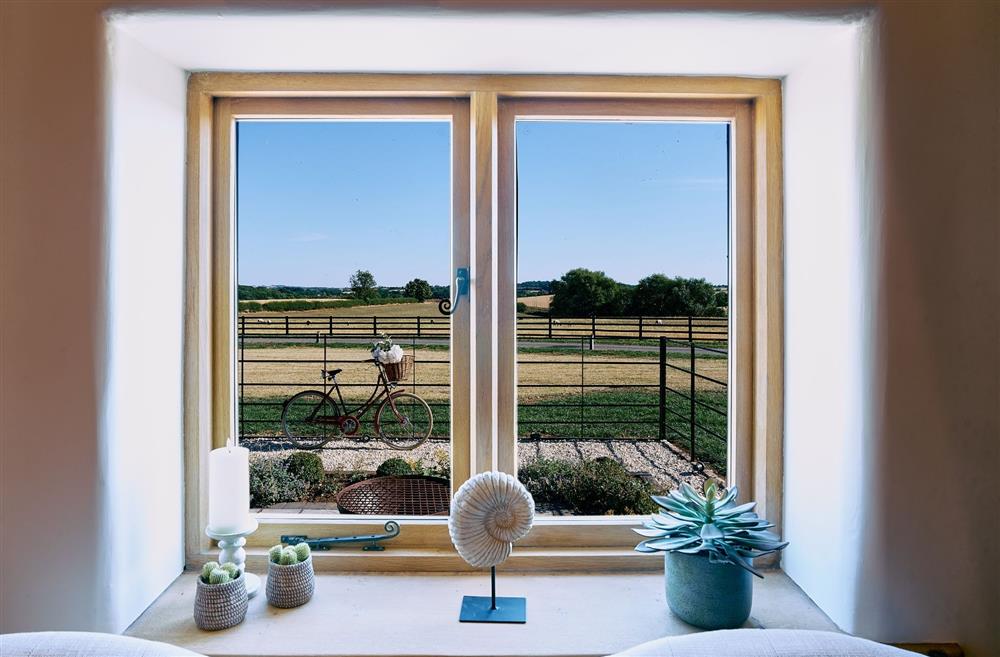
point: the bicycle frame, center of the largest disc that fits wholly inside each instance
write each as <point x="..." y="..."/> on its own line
<point x="383" y="388"/>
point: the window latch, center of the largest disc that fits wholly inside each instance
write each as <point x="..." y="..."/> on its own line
<point x="449" y="306"/>
<point x="371" y="540"/>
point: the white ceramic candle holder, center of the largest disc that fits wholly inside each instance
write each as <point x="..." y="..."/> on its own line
<point x="231" y="551"/>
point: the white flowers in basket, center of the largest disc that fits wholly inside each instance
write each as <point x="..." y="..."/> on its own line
<point x="385" y="352"/>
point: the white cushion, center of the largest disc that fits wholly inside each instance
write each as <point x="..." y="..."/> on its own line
<point x="84" y="644"/>
<point x="763" y="643"/>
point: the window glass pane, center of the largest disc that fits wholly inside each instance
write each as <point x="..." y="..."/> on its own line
<point x="623" y="240"/>
<point x="344" y="239"/>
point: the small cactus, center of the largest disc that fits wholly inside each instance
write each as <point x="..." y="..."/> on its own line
<point x="289" y="557"/>
<point x="219" y="576"/>
<point x="302" y="551"/>
<point x="274" y="554"/>
<point x="232" y="569"/>
<point x="207" y="569"/>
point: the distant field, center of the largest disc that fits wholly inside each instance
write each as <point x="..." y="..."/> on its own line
<point x="542" y="301"/>
<point x="425" y="309"/>
<point x="297" y="299"/>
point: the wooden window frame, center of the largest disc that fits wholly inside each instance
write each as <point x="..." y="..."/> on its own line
<point x="485" y="192"/>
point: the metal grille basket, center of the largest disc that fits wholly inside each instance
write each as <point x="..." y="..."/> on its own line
<point x="398" y="371"/>
<point x="404" y="495"/>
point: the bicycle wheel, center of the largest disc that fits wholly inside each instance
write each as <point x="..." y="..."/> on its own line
<point x="409" y="426"/>
<point x="309" y="420"/>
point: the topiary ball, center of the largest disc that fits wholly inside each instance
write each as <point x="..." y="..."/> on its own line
<point x="306" y="466"/>
<point x="393" y="467"/>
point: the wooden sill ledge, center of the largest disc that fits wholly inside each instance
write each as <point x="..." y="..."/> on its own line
<point x="388" y="615"/>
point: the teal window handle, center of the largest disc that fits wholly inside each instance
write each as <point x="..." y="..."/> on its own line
<point x="449" y="306"/>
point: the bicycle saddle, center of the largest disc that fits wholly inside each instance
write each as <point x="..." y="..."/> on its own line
<point x="331" y="373"/>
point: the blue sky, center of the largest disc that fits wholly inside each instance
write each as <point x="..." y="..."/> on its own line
<point x="319" y="200"/>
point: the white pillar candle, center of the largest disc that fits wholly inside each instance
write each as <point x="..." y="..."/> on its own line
<point x="229" y="490"/>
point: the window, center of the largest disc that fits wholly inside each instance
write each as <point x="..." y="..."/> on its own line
<point x="622" y="316"/>
<point x="343" y="224"/>
<point x="256" y="152"/>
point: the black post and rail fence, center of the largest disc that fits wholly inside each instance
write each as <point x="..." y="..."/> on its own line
<point x="700" y="329"/>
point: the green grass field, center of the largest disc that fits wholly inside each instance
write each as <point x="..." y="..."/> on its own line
<point x="605" y="414"/>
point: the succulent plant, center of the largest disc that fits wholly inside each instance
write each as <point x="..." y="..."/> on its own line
<point x="710" y="523"/>
<point x="219" y="576"/>
<point x="289" y="557"/>
<point x="210" y="572"/>
<point x="302" y="551"/>
<point x="207" y="569"/>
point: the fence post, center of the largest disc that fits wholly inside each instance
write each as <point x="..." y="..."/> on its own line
<point x="663" y="388"/>
<point x="330" y="325"/>
<point x="418" y="326"/>
<point x="287" y="334"/>
<point x="640" y="327"/>
<point x="374" y="325"/>
<point x="692" y="366"/>
<point x="242" y="358"/>
<point x="690" y="329"/>
<point x="550" y="326"/>
<point x="593" y="326"/>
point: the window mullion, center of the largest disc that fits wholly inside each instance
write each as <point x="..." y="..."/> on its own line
<point x="484" y="279"/>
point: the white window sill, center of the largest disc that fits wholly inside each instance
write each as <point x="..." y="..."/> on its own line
<point x="416" y="615"/>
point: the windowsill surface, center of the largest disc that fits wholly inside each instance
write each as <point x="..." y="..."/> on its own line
<point x="387" y="615"/>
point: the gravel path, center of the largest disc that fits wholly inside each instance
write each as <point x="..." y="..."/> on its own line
<point x="664" y="463"/>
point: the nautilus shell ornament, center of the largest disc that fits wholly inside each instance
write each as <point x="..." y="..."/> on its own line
<point x="488" y="513"/>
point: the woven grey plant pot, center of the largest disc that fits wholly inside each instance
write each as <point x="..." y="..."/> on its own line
<point x="290" y="586"/>
<point x="218" y="606"/>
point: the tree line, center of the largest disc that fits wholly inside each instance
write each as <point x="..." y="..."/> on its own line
<point x="362" y="287"/>
<point x="582" y="293"/>
<point x="579" y="293"/>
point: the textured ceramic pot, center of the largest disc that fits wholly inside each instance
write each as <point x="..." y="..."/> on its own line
<point x="712" y="596"/>
<point x="218" y="606"/>
<point x="290" y="586"/>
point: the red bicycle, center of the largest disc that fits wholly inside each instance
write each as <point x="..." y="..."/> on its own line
<point x="312" y="418"/>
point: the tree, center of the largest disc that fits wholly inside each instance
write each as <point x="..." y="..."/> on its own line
<point x="582" y="292"/>
<point x="661" y="295"/>
<point x="419" y="289"/>
<point x="363" y="285"/>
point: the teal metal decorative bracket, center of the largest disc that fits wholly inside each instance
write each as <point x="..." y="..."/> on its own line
<point x="449" y="306"/>
<point x="372" y="540"/>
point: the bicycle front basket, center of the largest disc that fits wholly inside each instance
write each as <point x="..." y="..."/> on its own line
<point x="398" y="371"/>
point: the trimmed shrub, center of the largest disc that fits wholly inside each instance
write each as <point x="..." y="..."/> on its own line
<point x="548" y="480"/>
<point x="604" y="487"/>
<point x="272" y="483"/>
<point x="306" y="466"/>
<point x="394" y="466"/>
<point x="599" y="487"/>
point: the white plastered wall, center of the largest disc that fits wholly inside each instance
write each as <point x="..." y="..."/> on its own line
<point x="143" y="406"/>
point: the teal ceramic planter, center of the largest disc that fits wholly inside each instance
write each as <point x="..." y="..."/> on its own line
<point x="712" y="596"/>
